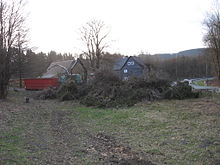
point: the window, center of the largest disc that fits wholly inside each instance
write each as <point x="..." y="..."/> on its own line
<point x="125" y="78"/>
<point x="130" y="63"/>
<point x="125" y="71"/>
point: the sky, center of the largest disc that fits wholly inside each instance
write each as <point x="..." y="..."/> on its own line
<point x="149" y="26"/>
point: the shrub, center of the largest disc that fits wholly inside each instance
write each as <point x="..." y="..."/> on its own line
<point x="67" y="91"/>
<point x="180" y="91"/>
<point x="106" y="76"/>
<point x="49" y="93"/>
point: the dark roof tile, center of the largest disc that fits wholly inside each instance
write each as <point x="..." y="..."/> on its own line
<point x="121" y="62"/>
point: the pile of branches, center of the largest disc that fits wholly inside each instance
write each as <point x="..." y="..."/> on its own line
<point x="49" y="93"/>
<point x="107" y="90"/>
<point x="182" y="90"/>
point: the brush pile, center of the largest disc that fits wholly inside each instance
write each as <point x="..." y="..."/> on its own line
<point x="107" y="90"/>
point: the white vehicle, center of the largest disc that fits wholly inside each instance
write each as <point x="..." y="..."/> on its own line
<point x="187" y="80"/>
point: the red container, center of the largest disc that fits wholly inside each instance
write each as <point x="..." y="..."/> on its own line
<point x="40" y="83"/>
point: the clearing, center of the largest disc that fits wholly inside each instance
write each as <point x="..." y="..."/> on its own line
<point x="163" y="132"/>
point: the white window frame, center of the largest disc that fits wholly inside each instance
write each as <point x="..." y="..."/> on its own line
<point x="130" y="63"/>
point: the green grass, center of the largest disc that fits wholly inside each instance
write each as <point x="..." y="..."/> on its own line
<point x="11" y="148"/>
<point x="167" y="131"/>
<point x="200" y="83"/>
<point x="185" y="132"/>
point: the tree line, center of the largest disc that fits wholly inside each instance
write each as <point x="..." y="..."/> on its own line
<point x="29" y="64"/>
<point x="181" y="67"/>
<point x="34" y="64"/>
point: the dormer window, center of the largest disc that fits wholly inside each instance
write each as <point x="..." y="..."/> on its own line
<point x="130" y="63"/>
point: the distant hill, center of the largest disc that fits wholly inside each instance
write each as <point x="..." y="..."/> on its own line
<point x="188" y="53"/>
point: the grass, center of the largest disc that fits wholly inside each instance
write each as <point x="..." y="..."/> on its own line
<point x="12" y="146"/>
<point x="185" y="132"/>
<point x="200" y="83"/>
<point x="168" y="131"/>
<point x="209" y="94"/>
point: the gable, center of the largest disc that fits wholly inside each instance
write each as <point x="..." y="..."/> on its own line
<point x="132" y="63"/>
<point x="128" y="61"/>
<point x="54" y="71"/>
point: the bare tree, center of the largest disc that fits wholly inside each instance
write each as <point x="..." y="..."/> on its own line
<point x="12" y="25"/>
<point x="212" y="36"/>
<point x="93" y="35"/>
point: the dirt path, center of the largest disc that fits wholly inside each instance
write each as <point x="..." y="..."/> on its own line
<point x="50" y="136"/>
<point x="113" y="153"/>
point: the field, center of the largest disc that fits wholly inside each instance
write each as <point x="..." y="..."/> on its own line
<point x="163" y="132"/>
<point x="200" y="83"/>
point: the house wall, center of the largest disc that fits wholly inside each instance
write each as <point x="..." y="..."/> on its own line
<point x="78" y="69"/>
<point x="131" y="69"/>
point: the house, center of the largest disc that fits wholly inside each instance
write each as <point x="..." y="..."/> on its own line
<point x="73" y="68"/>
<point x="58" y="68"/>
<point x="127" y="67"/>
<point x="79" y="68"/>
<point x="57" y="73"/>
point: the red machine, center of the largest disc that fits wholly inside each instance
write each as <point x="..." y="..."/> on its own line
<point x="40" y="83"/>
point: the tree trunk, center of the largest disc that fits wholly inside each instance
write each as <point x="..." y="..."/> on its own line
<point x="98" y="56"/>
<point x="4" y="80"/>
<point x="4" y="74"/>
<point x="3" y="90"/>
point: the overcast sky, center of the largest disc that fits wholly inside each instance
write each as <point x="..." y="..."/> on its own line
<point x="153" y="26"/>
